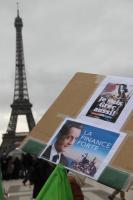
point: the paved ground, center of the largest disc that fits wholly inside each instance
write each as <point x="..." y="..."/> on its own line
<point x="17" y="191"/>
<point x="95" y="191"/>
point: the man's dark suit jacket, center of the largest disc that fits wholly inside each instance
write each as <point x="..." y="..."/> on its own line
<point x="47" y="152"/>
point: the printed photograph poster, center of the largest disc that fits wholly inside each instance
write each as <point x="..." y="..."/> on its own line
<point x="82" y="147"/>
<point x="111" y="103"/>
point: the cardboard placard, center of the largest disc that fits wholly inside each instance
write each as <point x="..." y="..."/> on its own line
<point x="70" y="103"/>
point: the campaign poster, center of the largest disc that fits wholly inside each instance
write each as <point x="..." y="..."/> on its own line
<point x="111" y="103"/>
<point x="81" y="147"/>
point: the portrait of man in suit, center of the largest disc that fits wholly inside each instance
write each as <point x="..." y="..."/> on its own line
<point x="67" y="136"/>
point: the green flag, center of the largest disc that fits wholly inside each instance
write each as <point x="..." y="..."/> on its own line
<point x="1" y="188"/>
<point x="57" y="186"/>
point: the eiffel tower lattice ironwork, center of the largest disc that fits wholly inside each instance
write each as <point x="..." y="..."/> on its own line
<point x="21" y="104"/>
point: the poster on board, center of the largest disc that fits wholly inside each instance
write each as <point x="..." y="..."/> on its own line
<point x="111" y="103"/>
<point x="82" y="147"/>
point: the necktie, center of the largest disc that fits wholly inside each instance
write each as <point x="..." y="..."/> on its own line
<point x="55" y="158"/>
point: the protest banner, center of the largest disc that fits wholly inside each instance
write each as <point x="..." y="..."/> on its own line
<point x="82" y="147"/>
<point x="71" y="103"/>
<point x="111" y="103"/>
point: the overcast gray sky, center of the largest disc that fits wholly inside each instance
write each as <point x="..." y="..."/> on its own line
<point x="62" y="37"/>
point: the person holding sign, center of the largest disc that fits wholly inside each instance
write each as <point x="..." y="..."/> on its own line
<point x="66" y="137"/>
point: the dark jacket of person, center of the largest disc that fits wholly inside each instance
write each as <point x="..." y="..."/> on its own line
<point x="39" y="175"/>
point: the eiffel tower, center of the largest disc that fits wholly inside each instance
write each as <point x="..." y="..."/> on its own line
<point x="21" y="104"/>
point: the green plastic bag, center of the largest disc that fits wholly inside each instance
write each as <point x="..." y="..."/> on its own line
<point x="57" y="186"/>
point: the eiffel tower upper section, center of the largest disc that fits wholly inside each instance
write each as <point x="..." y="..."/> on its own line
<point x="21" y="90"/>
